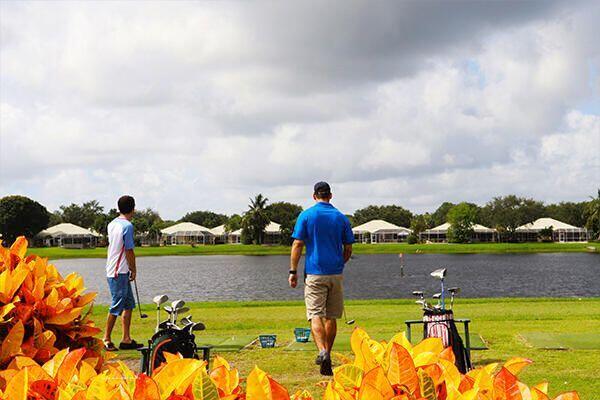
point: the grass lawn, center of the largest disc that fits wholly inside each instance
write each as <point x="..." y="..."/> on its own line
<point x="503" y="323"/>
<point x="392" y="248"/>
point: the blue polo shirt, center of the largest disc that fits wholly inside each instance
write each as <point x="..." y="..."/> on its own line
<point x="324" y="231"/>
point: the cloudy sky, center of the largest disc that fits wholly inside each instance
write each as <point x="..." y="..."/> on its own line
<point x="192" y="106"/>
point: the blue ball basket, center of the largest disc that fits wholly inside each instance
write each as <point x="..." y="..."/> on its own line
<point x="267" y="341"/>
<point x="302" y="335"/>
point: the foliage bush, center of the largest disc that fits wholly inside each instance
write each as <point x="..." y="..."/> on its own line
<point x="40" y="311"/>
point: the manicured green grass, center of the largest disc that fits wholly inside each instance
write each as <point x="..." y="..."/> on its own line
<point x="392" y="248"/>
<point x="503" y="323"/>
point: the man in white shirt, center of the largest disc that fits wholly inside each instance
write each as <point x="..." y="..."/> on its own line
<point x="120" y="271"/>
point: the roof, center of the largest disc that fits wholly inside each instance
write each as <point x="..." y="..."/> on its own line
<point x="444" y="228"/>
<point x="377" y="225"/>
<point x="186" y="228"/>
<point x="238" y="232"/>
<point x="66" y="229"/>
<point x="273" y="227"/>
<point x="542" y="223"/>
<point x="218" y="230"/>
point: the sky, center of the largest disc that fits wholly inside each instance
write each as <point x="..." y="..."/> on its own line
<point x="200" y="105"/>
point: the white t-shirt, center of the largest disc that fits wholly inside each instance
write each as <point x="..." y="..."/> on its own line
<point x="120" y="238"/>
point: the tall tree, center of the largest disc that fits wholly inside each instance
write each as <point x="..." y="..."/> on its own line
<point x="592" y="215"/>
<point x="396" y="215"/>
<point x="462" y="217"/>
<point x="19" y="215"/>
<point x="144" y="219"/>
<point x="418" y="225"/>
<point x="233" y="223"/>
<point x="101" y="222"/>
<point x="507" y="213"/>
<point x="285" y="214"/>
<point x="256" y="219"/>
<point x="440" y="215"/>
<point x="208" y="219"/>
<point x="83" y="215"/>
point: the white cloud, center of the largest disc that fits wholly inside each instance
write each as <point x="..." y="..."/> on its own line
<point x="198" y="107"/>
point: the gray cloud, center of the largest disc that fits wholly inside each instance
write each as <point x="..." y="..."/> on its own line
<point x="198" y="105"/>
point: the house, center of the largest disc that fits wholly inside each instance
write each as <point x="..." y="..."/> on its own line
<point x="235" y="237"/>
<point x="272" y="233"/>
<point x="67" y="235"/>
<point x="220" y="234"/>
<point x="561" y="231"/>
<point x="186" y="233"/>
<point x="439" y="234"/>
<point x="380" y="231"/>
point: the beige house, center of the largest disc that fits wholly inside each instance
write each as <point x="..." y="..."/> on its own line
<point x="186" y="233"/>
<point x="68" y="236"/>
<point x="561" y="231"/>
<point x="220" y="234"/>
<point x="439" y="234"/>
<point x="380" y="231"/>
<point x="235" y="237"/>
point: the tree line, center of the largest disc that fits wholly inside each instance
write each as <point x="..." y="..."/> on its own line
<point x="20" y="215"/>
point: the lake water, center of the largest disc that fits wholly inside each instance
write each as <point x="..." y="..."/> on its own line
<point x="378" y="276"/>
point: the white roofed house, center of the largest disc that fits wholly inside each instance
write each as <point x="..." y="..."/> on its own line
<point x="220" y="234"/>
<point x="439" y="234"/>
<point x="235" y="237"/>
<point x="380" y="231"/>
<point x="561" y="231"/>
<point x="272" y="233"/>
<point x="186" y="233"/>
<point x="67" y="235"/>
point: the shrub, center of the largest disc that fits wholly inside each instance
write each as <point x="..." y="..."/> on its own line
<point x="40" y="311"/>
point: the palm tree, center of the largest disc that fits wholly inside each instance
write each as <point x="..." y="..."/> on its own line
<point x="255" y="220"/>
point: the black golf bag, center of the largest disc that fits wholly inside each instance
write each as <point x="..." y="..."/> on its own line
<point x="440" y="324"/>
<point x="168" y="340"/>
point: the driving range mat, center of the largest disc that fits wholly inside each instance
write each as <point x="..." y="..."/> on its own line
<point x="231" y="343"/>
<point x="562" y="341"/>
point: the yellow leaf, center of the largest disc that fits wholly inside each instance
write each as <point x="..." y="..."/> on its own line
<point x="257" y="385"/>
<point x="86" y="373"/>
<point x="18" y="386"/>
<point x="64" y="317"/>
<point x="203" y="388"/>
<point x="429" y="345"/>
<point x="542" y="387"/>
<point x="516" y="364"/>
<point x="11" y="345"/>
<point x="426" y="385"/>
<point x="4" y="310"/>
<point x="52" y="365"/>
<point x="177" y="375"/>
<point x="349" y="376"/>
<point x="19" y="247"/>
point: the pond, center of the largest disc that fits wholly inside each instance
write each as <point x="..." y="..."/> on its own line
<point x="377" y="276"/>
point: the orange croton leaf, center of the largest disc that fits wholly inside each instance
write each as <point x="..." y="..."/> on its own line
<point x="43" y="389"/>
<point x="506" y="385"/>
<point x="19" y="247"/>
<point x="146" y="388"/>
<point x="516" y="364"/>
<point x="64" y="317"/>
<point x="401" y="370"/>
<point x="567" y="396"/>
<point x="11" y="345"/>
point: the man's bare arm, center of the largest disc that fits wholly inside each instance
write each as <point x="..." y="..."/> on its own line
<point x="347" y="252"/>
<point x="130" y="257"/>
<point x="297" y="247"/>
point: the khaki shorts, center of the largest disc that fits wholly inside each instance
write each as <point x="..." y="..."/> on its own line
<point x="324" y="296"/>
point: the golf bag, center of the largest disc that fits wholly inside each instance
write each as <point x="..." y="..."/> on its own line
<point x="440" y="324"/>
<point x="168" y="340"/>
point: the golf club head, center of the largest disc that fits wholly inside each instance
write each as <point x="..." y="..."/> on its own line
<point x="350" y="322"/>
<point x="437" y="296"/>
<point x="439" y="273"/>
<point x="197" y="326"/>
<point x="182" y="310"/>
<point x="160" y="299"/>
<point x="177" y="304"/>
<point x="142" y="316"/>
<point x="454" y="290"/>
<point x="417" y="293"/>
<point x="168" y="309"/>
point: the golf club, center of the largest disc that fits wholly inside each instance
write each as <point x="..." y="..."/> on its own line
<point x="158" y="300"/>
<point x="441" y="274"/>
<point x="453" y="292"/>
<point x="437" y="297"/>
<point x="176" y="305"/>
<point x="137" y="295"/>
<point x="348" y="322"/>
<point x="419" y="293"/>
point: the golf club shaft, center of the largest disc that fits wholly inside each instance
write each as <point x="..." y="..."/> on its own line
<point x="137" y="295"/>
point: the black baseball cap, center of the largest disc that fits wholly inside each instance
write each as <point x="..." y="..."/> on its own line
<point x="322" y="188"/>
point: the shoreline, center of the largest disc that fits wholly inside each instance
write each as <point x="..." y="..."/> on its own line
<point x="56" y="253"/>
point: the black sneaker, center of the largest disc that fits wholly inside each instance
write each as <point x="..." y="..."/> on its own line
<point x="319" y="359"/>
<point x="326" y="366"/>
<point x="130" y="346"/>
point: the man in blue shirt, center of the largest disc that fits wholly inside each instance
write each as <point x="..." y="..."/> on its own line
<point x="327" y="235"/>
